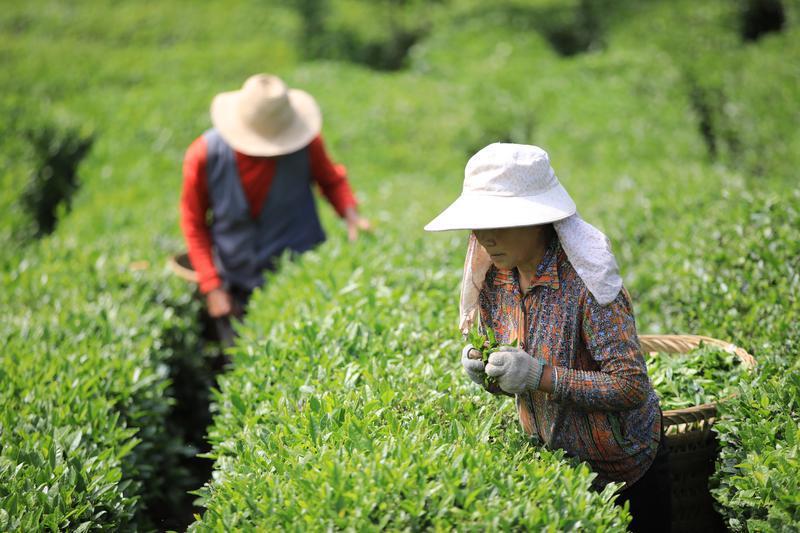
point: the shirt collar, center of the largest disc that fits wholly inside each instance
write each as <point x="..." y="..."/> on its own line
<point x="547" y="271"/>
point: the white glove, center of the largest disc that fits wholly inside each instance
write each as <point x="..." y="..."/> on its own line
<point x="473" y="367"/>
<point x="515" y="370"/>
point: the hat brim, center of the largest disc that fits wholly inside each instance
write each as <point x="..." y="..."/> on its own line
<point x="306" y="125"/>
<point x="473" y="211"/>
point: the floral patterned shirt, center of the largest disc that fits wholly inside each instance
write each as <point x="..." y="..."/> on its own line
<point x="604" y="410"/>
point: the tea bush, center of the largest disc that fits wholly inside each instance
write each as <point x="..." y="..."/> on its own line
<point x="85" y="404"/>
<point x="756" y="481"/>
<point x="743" y="95"/>
<point x="375" y="34"/>
<point x="59" y="151"/>
<point x="16" y="166"/>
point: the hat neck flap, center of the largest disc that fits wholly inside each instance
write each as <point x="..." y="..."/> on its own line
<point x="587" y="248"/>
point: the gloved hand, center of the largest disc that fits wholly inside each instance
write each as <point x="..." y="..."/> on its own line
<point x="515" y="370"/>
<point x="476" y="372"/>
<point x="473" y="367"/>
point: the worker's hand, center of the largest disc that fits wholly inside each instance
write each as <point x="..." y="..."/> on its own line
<point x="219" y="303"/>
<point x="515" y="370"/>
<point x="473" y="366"/>
<point x="355" y="223"/>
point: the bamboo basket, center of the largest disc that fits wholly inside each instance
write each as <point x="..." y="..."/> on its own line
<point x="182" y="267"/>
<point x="692" y="445"/>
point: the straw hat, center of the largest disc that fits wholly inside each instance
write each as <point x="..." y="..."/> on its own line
<point x="265" y="118"/>
<point x="506" y="185"/>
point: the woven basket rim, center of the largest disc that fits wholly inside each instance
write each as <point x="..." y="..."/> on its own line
<point x="180" y="265"/>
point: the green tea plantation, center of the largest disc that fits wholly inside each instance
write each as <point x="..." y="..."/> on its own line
<point x="672" y="123"/>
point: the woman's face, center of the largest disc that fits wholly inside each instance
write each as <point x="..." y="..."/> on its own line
<point x="515" y="247"/>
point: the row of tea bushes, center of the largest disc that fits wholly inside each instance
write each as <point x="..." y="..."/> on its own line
<point x="84" y="406"/>
<point x="140" y="87"/>
<point x="17" y="166"/>
<point x="89" y="434"/>
<point x="743" y="94"/>
<point x="347" y="409"/>
<point x="752" y="94"/>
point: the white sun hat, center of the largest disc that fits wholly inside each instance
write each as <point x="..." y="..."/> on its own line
<point x="265" y="117"/>
<point x="506" y="185"/>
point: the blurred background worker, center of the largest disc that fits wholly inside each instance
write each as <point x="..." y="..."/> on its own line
<point x="247" y="191"/>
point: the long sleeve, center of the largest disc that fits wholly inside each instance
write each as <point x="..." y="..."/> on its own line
<point x="332" y="178"/>
<point x="193" y="209"/>
<point x="609" y="333"/>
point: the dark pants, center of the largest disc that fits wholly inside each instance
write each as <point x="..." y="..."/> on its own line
<point x="650" y="498"/>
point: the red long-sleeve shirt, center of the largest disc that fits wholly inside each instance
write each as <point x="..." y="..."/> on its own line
<point x="256" y="174"/>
